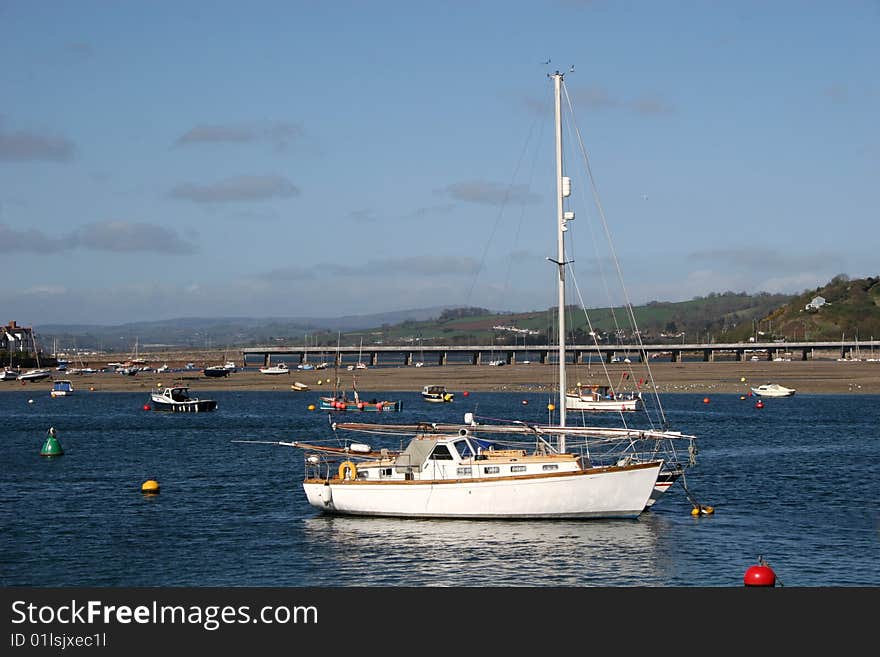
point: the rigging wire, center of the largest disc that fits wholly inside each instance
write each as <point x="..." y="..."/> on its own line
<point x="499" y="215"/>
<point x="616" y="261"/>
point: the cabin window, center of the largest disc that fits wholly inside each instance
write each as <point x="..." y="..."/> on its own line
<point x="441" y="453"/>
<point x="464" y="449"/>
<point x="463" y="472"/>
<point x="385" y="472"/>
<point x="491" y="469"/>
<point x="551" y="466"/>
<point x="363" y="474"/>
<point x="517" y="468"/>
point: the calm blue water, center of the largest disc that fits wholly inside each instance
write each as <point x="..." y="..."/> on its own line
<point x="796" y="482"/>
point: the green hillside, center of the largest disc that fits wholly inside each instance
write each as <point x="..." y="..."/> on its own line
<point x="717" y="316"/>
<point x="851" y="310"/>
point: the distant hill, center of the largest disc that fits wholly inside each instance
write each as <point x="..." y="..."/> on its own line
<point x="851" y="308"/>
<point x="219" y="332"/>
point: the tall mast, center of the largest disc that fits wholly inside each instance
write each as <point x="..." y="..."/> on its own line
<point x="562" y="190"/>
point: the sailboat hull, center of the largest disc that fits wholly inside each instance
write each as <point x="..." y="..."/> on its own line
<point x="619" y="492"/>
<point x="580" y="403"/>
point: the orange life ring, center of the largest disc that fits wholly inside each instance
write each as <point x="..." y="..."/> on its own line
<point x="350" y="467"/>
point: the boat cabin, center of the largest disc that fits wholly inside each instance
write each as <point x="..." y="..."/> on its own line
<point x="178" y="394"/>
<point x="62" y="388"/>
<point x="456" y="458"/>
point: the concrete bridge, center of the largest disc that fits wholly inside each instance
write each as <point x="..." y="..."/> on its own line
<point x="483" y="354"/>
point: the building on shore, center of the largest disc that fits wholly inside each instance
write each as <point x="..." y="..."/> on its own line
<point x="17" y="338"/>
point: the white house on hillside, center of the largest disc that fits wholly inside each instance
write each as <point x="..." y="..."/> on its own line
<point x="815" y="304"/>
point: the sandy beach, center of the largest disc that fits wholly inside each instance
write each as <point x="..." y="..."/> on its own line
<point x="828" y="377"/>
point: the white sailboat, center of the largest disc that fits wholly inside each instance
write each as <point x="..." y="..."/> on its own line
<point x="514" y="470"/>
<point x="38" y="373"/>
<point x="279" y="368"/>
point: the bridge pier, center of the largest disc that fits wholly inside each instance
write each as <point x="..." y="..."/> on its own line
<point x="408" y="358"/>
<point x="476" y="358"/>
<point x="511" y="357"/>
<point x="805" y="354"/>
<point x="542" y="357"/>
<point x="374" y="358"/>
<point x="676" y="356"/>
<point x="708" y="356"/>
<point x="443" y="358"/>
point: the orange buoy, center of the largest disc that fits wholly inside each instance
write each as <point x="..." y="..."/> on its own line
<point x="759" y="575"/>
<point x="705" y="400"/>
<point x="150" y="487"/>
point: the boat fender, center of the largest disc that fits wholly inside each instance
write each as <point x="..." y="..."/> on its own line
<point x="363" y="448"/>
<point x="326" y="495"/>
<point x="463" y="432"/>
<point x="350" y="467"/>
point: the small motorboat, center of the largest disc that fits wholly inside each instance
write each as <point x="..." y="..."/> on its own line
<point x="62" y="388"/>
<point x="773" y="390"/>
<point x="177" y="400"/>
<point x="436" y="394"/>
<point x="216" y="371"/>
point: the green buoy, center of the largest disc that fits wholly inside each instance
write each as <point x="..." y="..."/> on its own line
<point x="51" y="447"/>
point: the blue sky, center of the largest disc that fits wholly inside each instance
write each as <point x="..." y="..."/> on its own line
<point x="296" y="159"/>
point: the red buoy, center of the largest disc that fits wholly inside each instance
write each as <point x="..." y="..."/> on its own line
<point x="146" y="407"/>
<point x="705" y="400"/>
<point x="760" y="404"/>
<point x="465" y="393"/>
<point x="760" y="575"/>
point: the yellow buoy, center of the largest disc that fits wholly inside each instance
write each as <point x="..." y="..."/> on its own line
<point x="319" y="381"/>
<point x="743" y="379"/>
<point x="695" y="511"/>
<point x="150" y="487"/>
<point x="551" y="407"/>
<point x="311" y="407"/>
